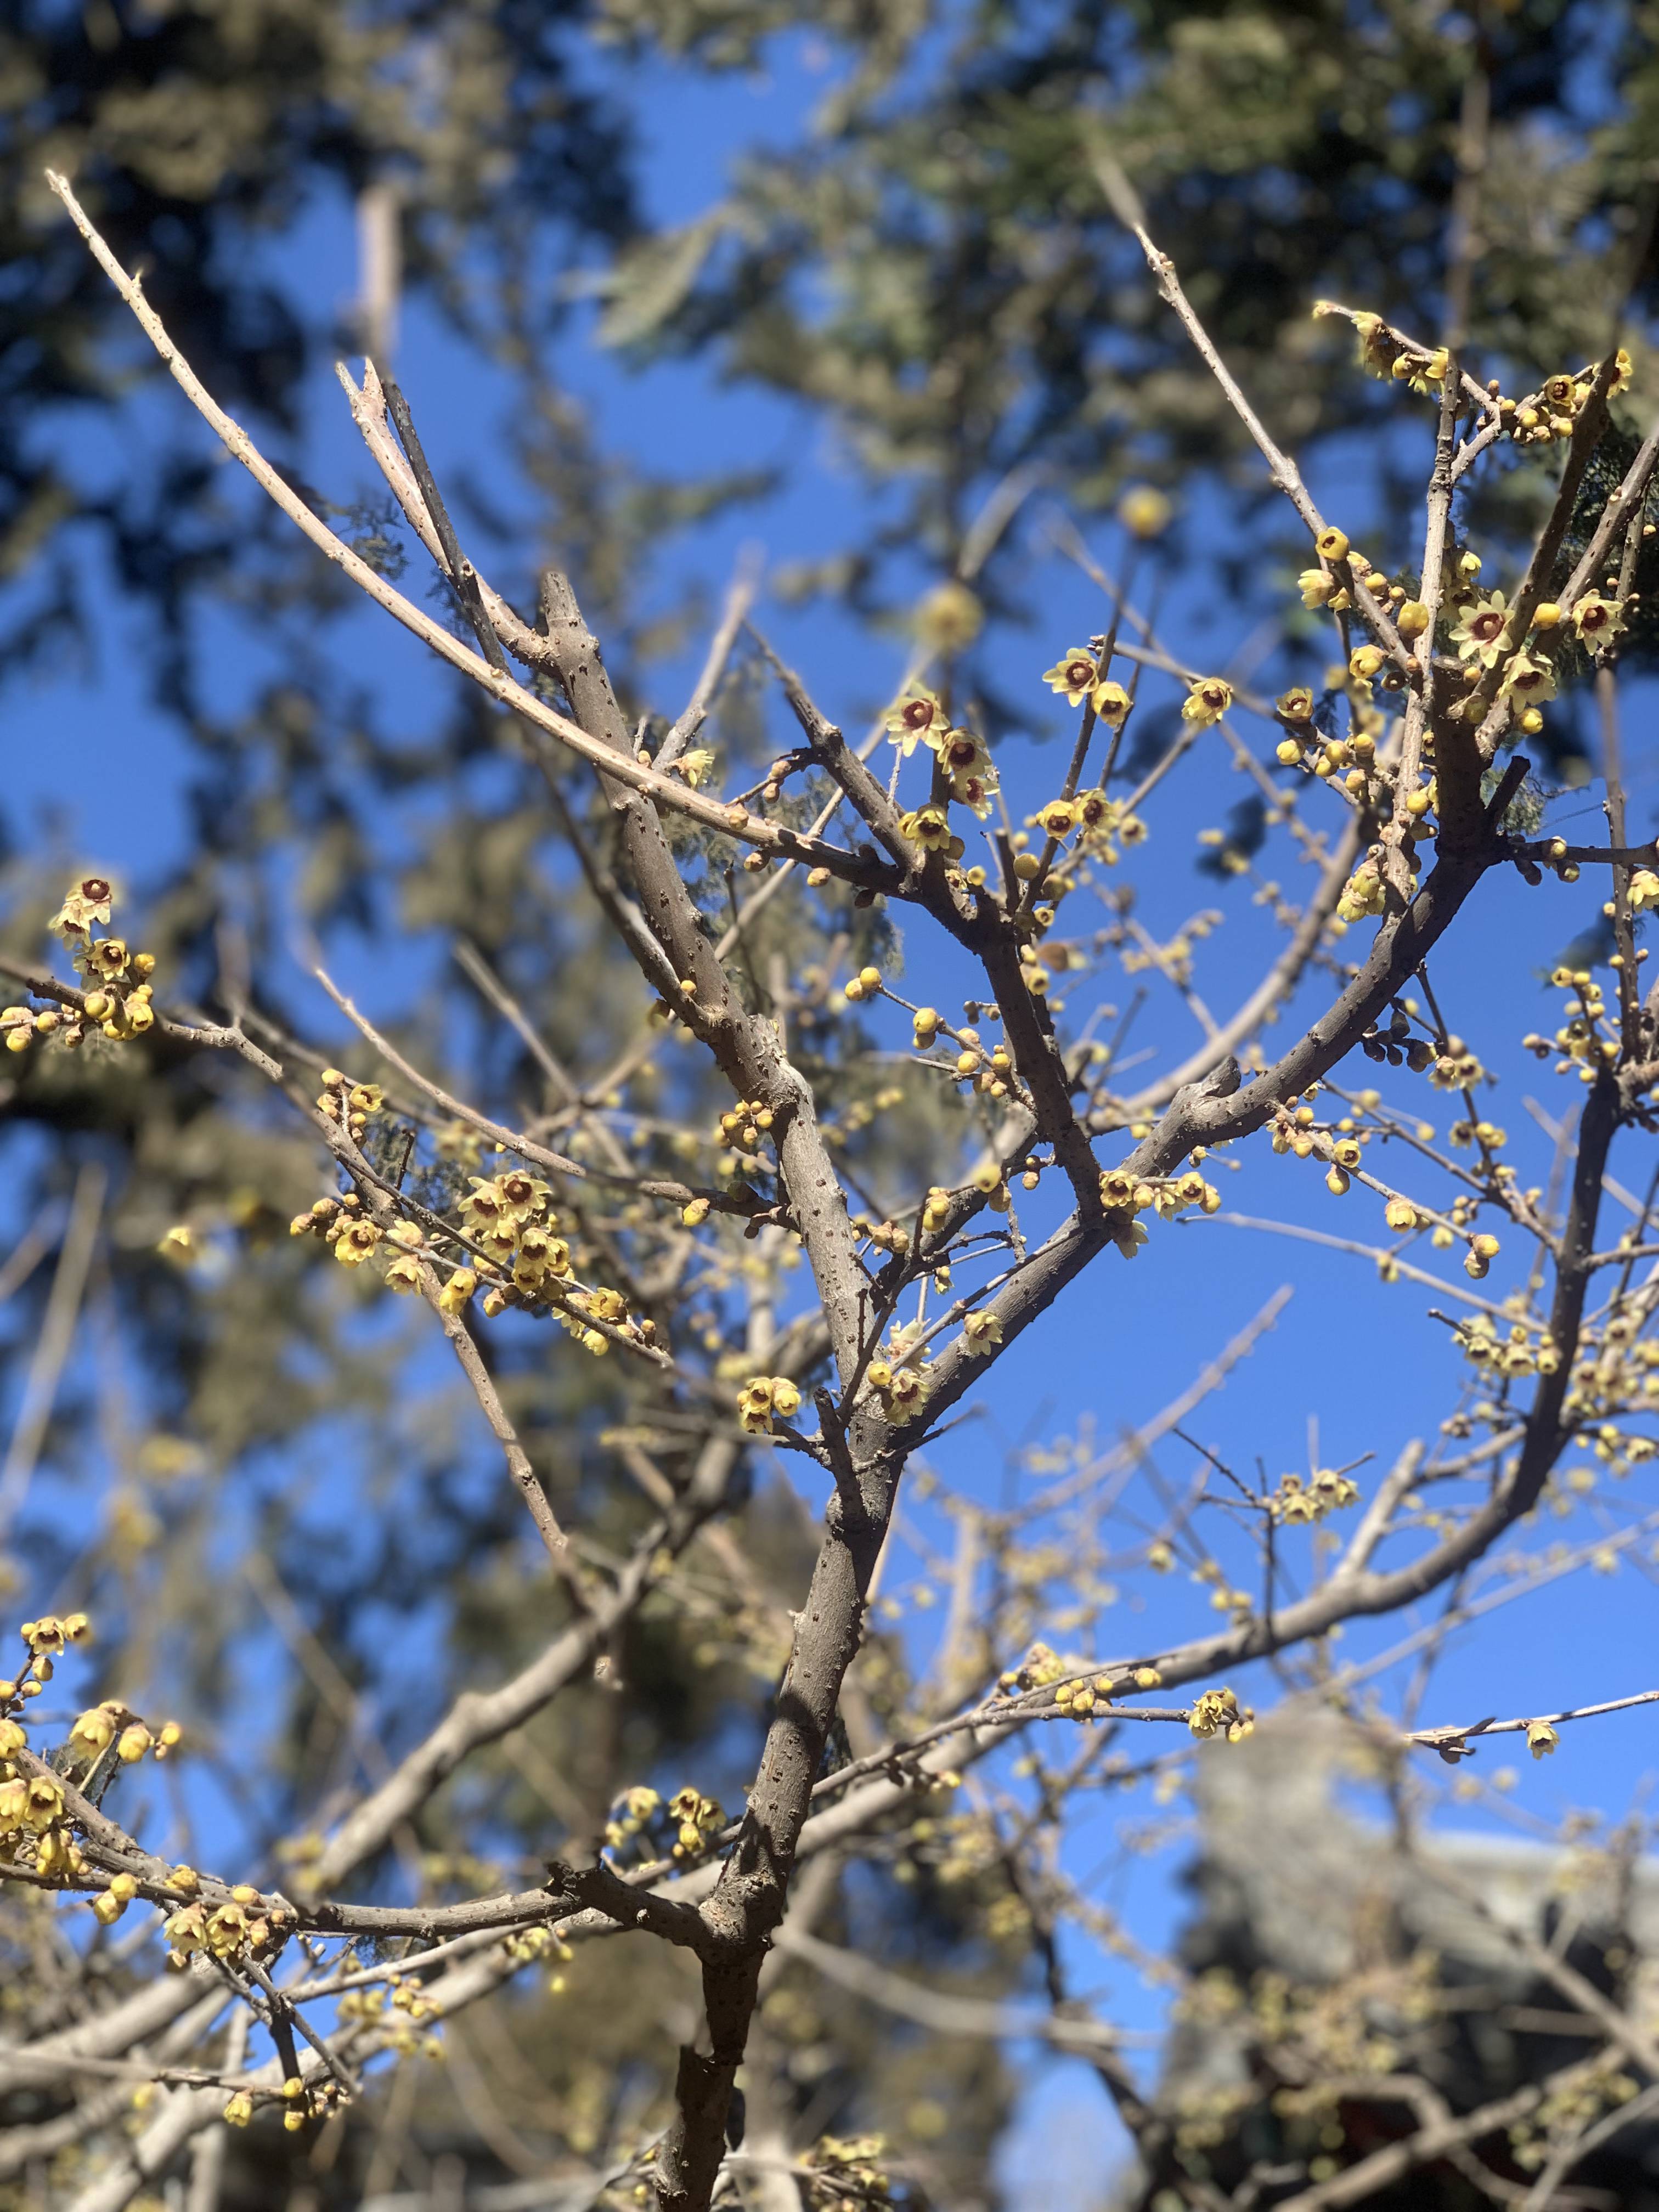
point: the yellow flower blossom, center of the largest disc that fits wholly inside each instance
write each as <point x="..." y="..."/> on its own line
<point x="1111" y="703"/>
<point x="1143" y="510"/>
<point x="982" y="1332"/>
<point x="913" y="719"/>
<point x="1528" y="681"/>
<point x="1598" y="621"/>
<point x="1207" y="700"/>
<point x="929" y="826"/>
<point x="1482" y="631"/>
<point x="88" y="902"/>
<point x="1074" y="676"/>
<point x="355" y="1242"/>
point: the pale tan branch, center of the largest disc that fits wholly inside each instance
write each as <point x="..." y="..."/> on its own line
<point x="734" y="821"/>
<point x="477" y="1718"/>
<point x="51" y="1349"/>
<point x="738" y="600"/>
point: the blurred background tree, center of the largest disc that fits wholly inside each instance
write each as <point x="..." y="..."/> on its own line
<point x="928" y="267"/>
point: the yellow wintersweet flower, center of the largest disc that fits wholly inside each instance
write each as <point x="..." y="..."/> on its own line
<point x="966" y="762"/>
<point x="974" y="793"/>
<point x="355" y="1242"/>
<point x="1143" y="510"/>
<point x="1074" y="676"/>
<point x="1207" y="700"/>
<point x="951" y="618"/>
<point x="916" y="718"/>
<point x="1483" y="630"/>
<point x="88" y="902"/>
<point x="94" y="1732"/>
<point x="928" y="827"/>
<point x="1598" y="621"/>
<point x="960" y="752"/>
<point x="982" y="1332"/>
<point x="1529" y="682"/>
<point x="1112" y="704"/>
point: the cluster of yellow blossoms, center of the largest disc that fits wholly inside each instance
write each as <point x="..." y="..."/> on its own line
<point x="301" y="2102"/>
<point x="1546" y="414"/>
<point x="1106" y="824"/>
<point x="898" y="1379"/>
<point x="741" y="1127"/>
<point x="1218" y="1712"/>
<point x="1483" y="630"/>
<point x="34" y="1818"/>
<point x="239" y="1925"/>
<point x="1042" y="1666"/>
<point x="110" y="1723"/>
<point x="966" y="777"/>
<point x="1616" y="1370"/>
<point x="1512" y="1355"/>
<point x="631" y="1816"/>
<point x="1585" y="1041"/>
<point x="964" y="764"/>
<point x="116" y="988"/>
<point x="539" y="1942"/>
<point x="986" y="1068"/>
<point x="1077" y="678"/>
<point x="510" y="1217"/>
<point x="1296" y="1503"/>
<point x="847" y="2175"/>
<point x="1566" y="2111"/>
<point x="1080" y="680"/>
<point x="351" y="1104"/>
<point x="1296" y="1129"/>
<point x="763" y="1398"/>
<point x="1122" y="1196"/>
<point x="1384" y="353"/>
<point x="697" y="1821"/>
<point x="694" y="1820"/>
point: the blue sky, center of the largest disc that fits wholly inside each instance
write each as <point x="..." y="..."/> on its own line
<point x="1360" y="1358"/>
